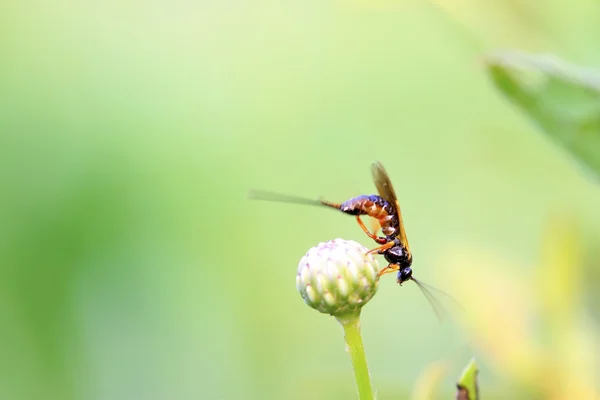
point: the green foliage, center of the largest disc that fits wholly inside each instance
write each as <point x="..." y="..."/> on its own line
<point x="467" y="385"/>
<point x="564" y="100"/>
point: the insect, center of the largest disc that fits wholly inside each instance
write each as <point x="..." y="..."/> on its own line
<point x="385" y="209"/>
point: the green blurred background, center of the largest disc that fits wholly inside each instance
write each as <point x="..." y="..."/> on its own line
<point x="132" y="265"/>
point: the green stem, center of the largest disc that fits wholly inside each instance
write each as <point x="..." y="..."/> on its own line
<point x="354" y="344"/>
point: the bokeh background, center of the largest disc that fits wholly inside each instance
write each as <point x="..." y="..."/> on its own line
<point x="132" y="264"/>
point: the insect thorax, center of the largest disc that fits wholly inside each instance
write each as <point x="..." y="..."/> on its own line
<point x="398" y="255"/>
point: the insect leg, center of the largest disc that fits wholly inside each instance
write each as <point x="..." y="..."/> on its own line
<point x="369" y="234"/>
<point x="388" y="269"/>
<point x="386" y="246"/>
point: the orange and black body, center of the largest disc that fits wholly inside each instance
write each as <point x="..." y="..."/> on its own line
<point x="389" y="220"/>
<point x="383" y="207"/>
<point x="373" y="206"/>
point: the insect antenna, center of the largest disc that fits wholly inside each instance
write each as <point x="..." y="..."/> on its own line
<point x="438" y="308"/>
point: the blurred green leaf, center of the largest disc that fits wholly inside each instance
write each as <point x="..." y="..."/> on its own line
<point x="467" y="388"/>
<point x="563" y="99"/>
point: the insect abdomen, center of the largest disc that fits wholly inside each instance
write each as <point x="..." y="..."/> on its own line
<point x="376" y="207"/>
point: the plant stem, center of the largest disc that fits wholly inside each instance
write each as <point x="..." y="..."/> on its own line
<point x="354" y="345"/>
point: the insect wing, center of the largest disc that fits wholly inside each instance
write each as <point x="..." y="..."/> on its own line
<point x="281" y="198"/>
<point x="436" y="304"/>
<point x="386" y="190"/>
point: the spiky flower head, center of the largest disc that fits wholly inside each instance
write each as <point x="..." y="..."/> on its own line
<point x="337" y="277"/>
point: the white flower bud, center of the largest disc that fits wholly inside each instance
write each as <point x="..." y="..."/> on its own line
<point x="337" y="277"/>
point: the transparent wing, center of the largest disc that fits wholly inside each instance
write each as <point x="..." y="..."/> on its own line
<point x="436" y="304"/>
<point x="386" y="190"/>
<point x="281" y="198"/>
<point x="374" y="225"/>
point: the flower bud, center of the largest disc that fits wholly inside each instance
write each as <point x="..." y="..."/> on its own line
<point x="337" y="277"/>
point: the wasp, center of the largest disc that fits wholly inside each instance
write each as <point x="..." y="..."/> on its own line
<point x="385" y="209"/>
